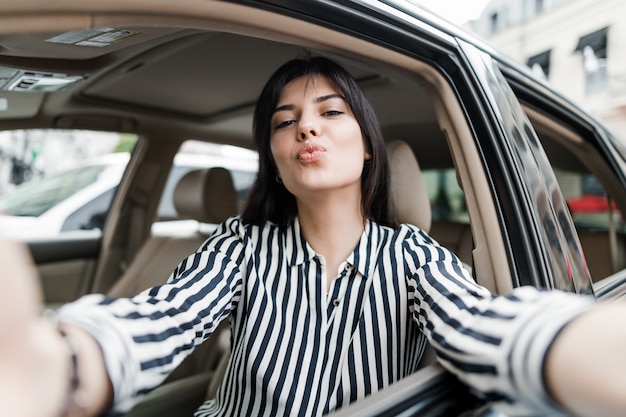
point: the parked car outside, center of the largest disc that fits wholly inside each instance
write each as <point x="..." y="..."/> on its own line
<point x="68" y="200"/>
<point x="505" y="151"/>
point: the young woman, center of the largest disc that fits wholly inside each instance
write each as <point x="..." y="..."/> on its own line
<point x="328" y="301"/>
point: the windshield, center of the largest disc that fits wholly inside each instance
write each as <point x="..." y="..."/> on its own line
<point x="34" y="199"/>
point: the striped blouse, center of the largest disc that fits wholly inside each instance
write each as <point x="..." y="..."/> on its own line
<point x="300" y="351"/>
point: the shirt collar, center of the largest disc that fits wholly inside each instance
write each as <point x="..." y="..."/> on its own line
<point x="361" y="258"/>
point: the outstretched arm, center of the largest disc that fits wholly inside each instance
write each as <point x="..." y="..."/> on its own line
<point x="541" y="352"/>
<point x="586" y="366"/>
<point x="35" y="361"/>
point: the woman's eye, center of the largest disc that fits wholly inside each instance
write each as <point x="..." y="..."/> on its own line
<point x="333" y="113"/>
<point x="284" y="124"/>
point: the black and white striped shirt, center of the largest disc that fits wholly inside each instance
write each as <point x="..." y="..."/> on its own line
<point x="299" y="351"/>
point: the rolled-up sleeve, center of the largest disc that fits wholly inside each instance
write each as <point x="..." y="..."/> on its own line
<point x="145" y="337"/>
<point x="494" y="343"/>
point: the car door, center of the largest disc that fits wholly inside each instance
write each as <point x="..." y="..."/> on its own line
<point x="65" y="265"/>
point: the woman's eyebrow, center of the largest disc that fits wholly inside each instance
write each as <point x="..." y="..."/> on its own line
<point x="328" y="97"/>
<point x="321" y="99"/>
<point x="284" y="107"/>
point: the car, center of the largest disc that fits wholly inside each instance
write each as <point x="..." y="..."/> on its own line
<point x="78" y="199"/>
<point x="501" y="151"/>
<point x="68" y="200"/>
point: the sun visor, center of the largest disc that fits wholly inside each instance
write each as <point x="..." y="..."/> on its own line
<point x="19" y="105"/>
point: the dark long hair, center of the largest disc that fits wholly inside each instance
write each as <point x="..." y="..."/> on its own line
<point x="269" y="199"/>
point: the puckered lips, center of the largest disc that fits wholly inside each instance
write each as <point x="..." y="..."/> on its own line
<point x="310" y="153"/>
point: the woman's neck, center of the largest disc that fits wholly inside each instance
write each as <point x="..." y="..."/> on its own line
<point x="333" y="228"/>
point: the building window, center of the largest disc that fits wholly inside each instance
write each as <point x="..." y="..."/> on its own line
<point x="593" y="49"/>
<point x="493" y="23"/>
<point x="539" y="5"/>
<point x="540" y="64"/>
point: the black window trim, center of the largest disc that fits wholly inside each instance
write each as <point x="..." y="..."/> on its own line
<point x="542" y="59"/>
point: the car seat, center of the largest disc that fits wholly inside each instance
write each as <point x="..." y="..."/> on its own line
<point x="205" y="195"/>
<point x="408" y="200"/>
<point x="410" y="203"/>
<point x="209" y="197"/>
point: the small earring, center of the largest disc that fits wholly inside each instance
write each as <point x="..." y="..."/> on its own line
<point x="278" y="179"/>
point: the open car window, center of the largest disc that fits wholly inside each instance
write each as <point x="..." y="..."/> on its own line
<point x="59" y="180"/>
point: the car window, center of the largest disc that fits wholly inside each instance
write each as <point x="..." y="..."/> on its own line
<point x="194" y="154"/>
<point x="599" y="222"/>
<point x="67" y="179"/>
<point x="447" y="201"/>
<point x="590" y="205"/>
<point x="53" y="181"/>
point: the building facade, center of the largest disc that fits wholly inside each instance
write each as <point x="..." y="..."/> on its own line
<point x="579" y="46"/>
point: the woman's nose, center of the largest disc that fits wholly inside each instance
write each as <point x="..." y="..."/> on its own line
<point x="307" y="130"/>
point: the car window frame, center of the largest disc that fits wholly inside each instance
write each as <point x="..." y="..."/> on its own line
<point x="429" y="392"/>
<point x="572" y="118"/>
<point x="539" y="202"/>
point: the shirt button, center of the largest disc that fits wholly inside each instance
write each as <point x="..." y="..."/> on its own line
<point x="335" y="302"/>
<point x="348" y="267"/>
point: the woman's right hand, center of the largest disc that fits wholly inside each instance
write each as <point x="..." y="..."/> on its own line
<point x="34" y="361"/>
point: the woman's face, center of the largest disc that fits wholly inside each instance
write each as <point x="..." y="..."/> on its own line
<point x="315" y="139"/>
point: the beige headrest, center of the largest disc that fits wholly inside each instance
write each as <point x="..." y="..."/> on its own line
<point x="206" y="195"/>
<point x="409" y="202"/>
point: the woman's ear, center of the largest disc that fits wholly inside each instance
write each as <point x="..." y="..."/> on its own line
<point x="368" y="156"/>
